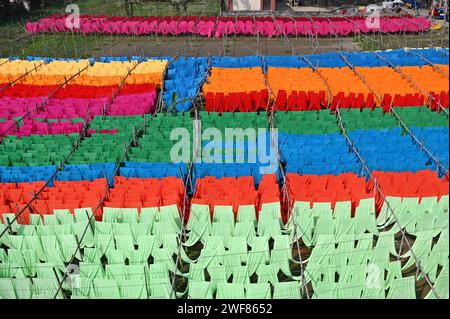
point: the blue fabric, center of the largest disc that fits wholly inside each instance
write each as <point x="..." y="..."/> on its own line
<point x="390" y="151"/>
<point x="285" y="62"/>
<point x="184" y="79"/>
<point x="326" y="60"/>
<point x="436" y="140"/>
<point x="80" y="172"/>
<point x="157" y="170"/>
<point x="238" y="62"/>
<point x="317" y="154"/>
<point x="19" y="174"/>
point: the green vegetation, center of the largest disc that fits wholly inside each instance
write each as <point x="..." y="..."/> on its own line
<point x="433" y="38"/>
<point x="14" y="41"/>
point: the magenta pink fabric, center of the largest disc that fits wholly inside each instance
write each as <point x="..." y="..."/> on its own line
<point x="53" y="109"/>
<point x="133" y="104"/>
<point x="218" y="27"/>
<point x="29" y="127"/>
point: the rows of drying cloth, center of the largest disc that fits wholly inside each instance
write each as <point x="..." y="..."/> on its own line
<point x="124" y="244"/>
<point x="295" y="89"/>
<point x="76" y="89"/>
<point x="309" y="142"/>
<point x="220" y="26"/>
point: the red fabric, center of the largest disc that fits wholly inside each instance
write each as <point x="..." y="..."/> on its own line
<point x="235" y="192"/>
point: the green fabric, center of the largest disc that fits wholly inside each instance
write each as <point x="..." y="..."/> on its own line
<point x="7" y="289"/>
<point x="83" y="214"/>
<point x="68" y="247"/>
<point x="270" y="211"/>
<point x="438" y="256"/>
<point x="269" y="228"/>
<point x="441" y="285"/>
<point x="223" y="229"/>
<point x="198" y="232"/>
<point x="422" y="249"/>
<point x="259" y="254"/>
<point x="246" y="213"/>
<point x="240" y="275"/>
<point x="196" y="273"/>
<point x="23" y="288"/>
<point x="258" y="291"/>
<point x="161" y="290"/>
<point x="324" y="226"/>
<point x="236" y="254"/>
<point x="403" y="288"/>
<point x="110" y="214"/>
<point x="342" y="209"/>
<point x="26" y="259"/>
<point x="86" y="228"/>
<point x="161" y="228"/>
<point x="304" y="223"/>
<point x="104" y="243"/>
<point x="115" y="256"/>
<point x="148" y="216"/>
<point x="246" y="230"/>
<point x="198" y="213"/>
<point x="158" y="272"/>
<point x="420" y="117"/>
<point x="164" y="256"/>
<point x="83" y="289"/>
<point x="91" y="270"/>
<point x="146" y="244"/>
<point x="199" y="290"/>
<point x="365" y="218"/>
<point x="281" y="254"/>
<point x="35" y="219"/>
<point x="223" y="214"/>
<point x="366" y="119"/>
<point x="230" y="291"/>
<point x="106" y="289"/>
<point x="132" y="288"/>
<point x="307" y="122"/>
<point x="170" y="242"/>
<point x="394" y="271"/>
<point x="122" y="229"/>
<point x="139" y="229"/>
<point x="267" y="274"/>
<point x="287" y="290"/>
<point x="217" y="274"/>
<point x="50" y="220"/>
<point x="115" y="271"/>
<point x="125" y="244"/>
<point x="385" y="217"/>
<point x="170" y="213"/>
<point x="47" y="288"/>
<point x="213" y="252"/>
<point x="327" y="290"/>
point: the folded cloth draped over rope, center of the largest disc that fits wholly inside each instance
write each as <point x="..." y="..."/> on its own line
<point x="208" y="26"/>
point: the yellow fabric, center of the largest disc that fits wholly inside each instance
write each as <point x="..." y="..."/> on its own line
<point x="56" y="72"/>
<point x="14" y="69"/>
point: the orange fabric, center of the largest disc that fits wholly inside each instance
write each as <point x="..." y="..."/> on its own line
<point x="244" y="80"/>
<point x="292" y="79"/>
<point x="427" y="78"/>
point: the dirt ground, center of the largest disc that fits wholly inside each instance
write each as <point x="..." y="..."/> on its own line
<point x="67" y="45"/>
<point x="228" y="46"/>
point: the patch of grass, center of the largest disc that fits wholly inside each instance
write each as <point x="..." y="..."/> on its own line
<point x="433" y="38"/>
<point x="110" y="7"/>
<point x="14" y="41"/>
